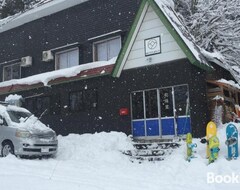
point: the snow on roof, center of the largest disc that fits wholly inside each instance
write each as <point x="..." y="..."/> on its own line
<point x="4" y="107"/>
<point x="16" y="108"/>
<point x="235" y="71"/>
<point x="45" y="78"/>
<point x="41" y="9"/>
<point x="167" y="7"/>
<point x="229" y="82"/>
<point x="218" y="97"/>
<point x="217" y="58"/>
<point x="13" y="97"/>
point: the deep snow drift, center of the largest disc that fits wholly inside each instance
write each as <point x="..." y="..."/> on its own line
<point x="94" y="162"/>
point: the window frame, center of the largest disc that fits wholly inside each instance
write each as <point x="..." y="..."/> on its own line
<point x="11" y="65"/>
<point x="82" y="100"/>
<point x="84" y="107"/>
<point x="94" y="46"/>
<point x="41" y="100"/>
<point x="32" y="105"/>
<point x="56" y="55"/>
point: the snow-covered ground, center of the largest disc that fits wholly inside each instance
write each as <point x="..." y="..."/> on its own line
<point x="94" y="162"/>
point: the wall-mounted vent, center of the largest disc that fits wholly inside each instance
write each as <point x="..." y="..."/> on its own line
<point x="47" y="56"/>
<point x="26" y="61"/>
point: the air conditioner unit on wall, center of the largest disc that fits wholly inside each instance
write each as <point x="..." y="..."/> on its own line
<point x="26" y="61"/>
<point x="47" y="56"/>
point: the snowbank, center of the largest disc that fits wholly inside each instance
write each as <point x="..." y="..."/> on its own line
<point x="98" y="147"/>
<point x="94" y="162"/>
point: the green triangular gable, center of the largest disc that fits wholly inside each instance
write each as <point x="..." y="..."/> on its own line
<point x="125" y="49"/>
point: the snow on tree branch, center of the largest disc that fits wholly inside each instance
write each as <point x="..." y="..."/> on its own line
<point x="215" y="25"/>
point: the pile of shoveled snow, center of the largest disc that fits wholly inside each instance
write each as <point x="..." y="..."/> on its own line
<point x="94" y="147"/>
<point x="95" y="162"/>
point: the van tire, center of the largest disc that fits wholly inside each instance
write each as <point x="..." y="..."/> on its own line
<point x="7" y="148"/>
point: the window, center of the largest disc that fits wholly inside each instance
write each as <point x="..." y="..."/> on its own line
<point x="76" y="101"/>
<point x="38" y="105"/>
<point x="67" y="58"/>
<point x="181" y="100"/>
<point x="107" y="49"/>
<point x="166" y="102"/>
<point x="42" y="104"/>
<point x="137" y="105"/>
<point x="3" y="121"/>
<point x="12" y="72"/>
<point x="151" y="104"/>
<point x="83" y="100"/>
<point x="90" y="99"/>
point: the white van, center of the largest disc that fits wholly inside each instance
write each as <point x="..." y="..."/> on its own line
<point x="23" y="134"/>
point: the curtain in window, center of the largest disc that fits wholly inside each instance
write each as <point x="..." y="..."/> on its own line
<point x="108" y="49"/>
<point x="12" y="72"/>
<point x="7" y="73"/>
<point x="16" y="71"/>
<point x="102" y="49"/>
<point x="68" y="59"/>
<point x="114" y="47"/>
<point x="73" y="58"/>
<point x="62" y="60"/>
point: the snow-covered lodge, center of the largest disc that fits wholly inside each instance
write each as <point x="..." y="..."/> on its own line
<point x="113" y="65"/>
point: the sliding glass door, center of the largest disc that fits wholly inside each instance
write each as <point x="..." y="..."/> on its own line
<point x="161" y="112"/>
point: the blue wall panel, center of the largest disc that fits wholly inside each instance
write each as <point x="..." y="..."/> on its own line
<point x="167" y="126"/>
<point x="183" y="125"/>
<point x="138" y="128"/>
<point x="152" y="127"/>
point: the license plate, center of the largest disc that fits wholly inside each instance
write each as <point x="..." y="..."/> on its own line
<point x="44" y="150"/>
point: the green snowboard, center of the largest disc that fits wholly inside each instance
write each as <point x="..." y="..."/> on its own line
<point x="190" y="147"/>
<point x="213" y="145"/>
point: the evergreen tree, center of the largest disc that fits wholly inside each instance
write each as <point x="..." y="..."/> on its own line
<point x="11" y="7"/>
<point x="215" y="24"/>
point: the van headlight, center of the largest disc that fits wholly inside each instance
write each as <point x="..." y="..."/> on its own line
<point x="23" y="134"/>
<point x="54" y="136"/>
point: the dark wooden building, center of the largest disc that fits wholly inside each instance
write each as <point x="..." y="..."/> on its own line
<point x="156" y="88"/>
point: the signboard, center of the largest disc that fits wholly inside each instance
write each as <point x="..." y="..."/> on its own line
<point x="152" y="46"/>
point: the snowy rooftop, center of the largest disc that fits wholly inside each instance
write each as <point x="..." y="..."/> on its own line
<point x="167" y="7"/>
<point x="46" y="78"/>
<point x="41" y="9"/>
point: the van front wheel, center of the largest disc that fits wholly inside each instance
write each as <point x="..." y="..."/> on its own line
<point x="7" y="148"/>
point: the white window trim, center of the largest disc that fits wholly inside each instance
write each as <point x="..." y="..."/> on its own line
<point x="104" y="40"/>
<point x="64" y="51"/>
<point x="104" y="35"/>
<point x="19" y="63"/>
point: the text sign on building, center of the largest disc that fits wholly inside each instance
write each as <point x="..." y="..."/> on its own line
<point x="152" y="46"/>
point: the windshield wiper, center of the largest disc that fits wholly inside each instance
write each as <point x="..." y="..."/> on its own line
<point x="27" y="118"/>
<point x="38" y="118"/>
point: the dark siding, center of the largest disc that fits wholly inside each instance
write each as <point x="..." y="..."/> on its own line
<point x="114" y="93"/>
<point x="76" y="24"/>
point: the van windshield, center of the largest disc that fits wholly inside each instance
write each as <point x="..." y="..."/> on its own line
<point x="16" y="116"/>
